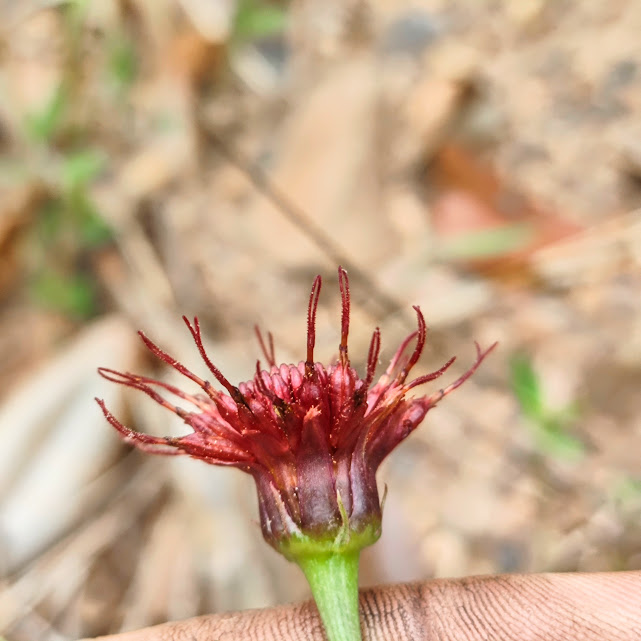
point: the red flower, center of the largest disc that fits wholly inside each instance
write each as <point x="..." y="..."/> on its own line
<point x="311" y="436"/>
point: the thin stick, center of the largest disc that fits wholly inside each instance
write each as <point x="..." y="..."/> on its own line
<point x="301" y="219"/>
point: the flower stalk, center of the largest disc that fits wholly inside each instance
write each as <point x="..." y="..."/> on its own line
<point x="333" y="579"/>
<point x="312" y="437"/>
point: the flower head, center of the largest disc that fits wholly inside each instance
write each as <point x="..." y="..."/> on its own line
<point x="312" y="436"/>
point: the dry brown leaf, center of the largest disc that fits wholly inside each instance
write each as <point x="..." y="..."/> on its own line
<point x="55" y="442"/>
<point x="475" y="207"/>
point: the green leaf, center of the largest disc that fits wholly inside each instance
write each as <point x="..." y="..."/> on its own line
<point x="548" y="427"/>
<point x="94" y="231"/>
<point x="554" y="440"/>
<point x="568" y="414"/>
<point x="486" y="243"/>
<point x="627" y="492"/>
<point x="123" y="63"/>
<point x="526" y="387"/>
<point x="256" y="19"/>
<point x="44" y="124"/>
<point x="50" y="221"/>
<point x="78" y="171"/>
<point x="73" y="295"/>
<point x="80" y="168"/>
<point x="75" y="14"/>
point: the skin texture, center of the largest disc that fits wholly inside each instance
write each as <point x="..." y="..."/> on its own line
<point x="527" y="607"/>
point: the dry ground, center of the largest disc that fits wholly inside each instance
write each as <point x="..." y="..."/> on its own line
<point x="161" y="157"/>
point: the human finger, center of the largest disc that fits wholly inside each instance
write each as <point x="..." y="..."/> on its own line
<point x="526" y="607"/>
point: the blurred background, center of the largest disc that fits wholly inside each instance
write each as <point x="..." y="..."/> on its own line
<point x="210" y="157"/>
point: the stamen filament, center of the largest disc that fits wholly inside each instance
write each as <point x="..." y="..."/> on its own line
<point x="197" y="336"/>
<point x="311" y="324"/>
<point x="418" y="349"/>
<point x="372" y="357"/>
<point x="267" y="349"/>
<point x="343" y="284"/>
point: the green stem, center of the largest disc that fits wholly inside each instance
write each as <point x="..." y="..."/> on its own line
<point x="334" y="582"/>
